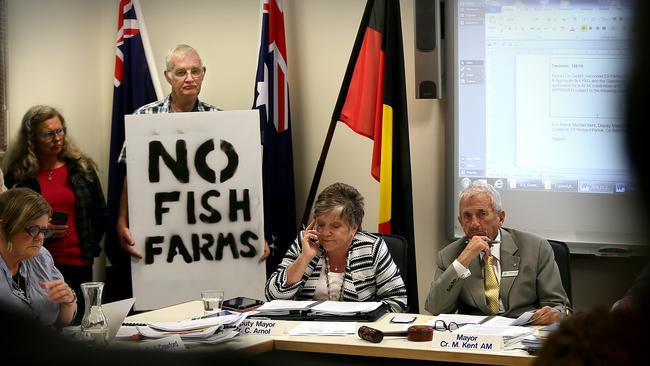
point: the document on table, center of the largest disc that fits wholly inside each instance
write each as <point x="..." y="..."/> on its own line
<point x="316" y="328"/>
<point x="496" y="320"/>
<point x="126" y="332"/>
<point x="149" y="332"/>
<point x="232" y="320"/>
<point x="284" y="307"/>
<point x="344" y="307"/>
<point x="460" y="319"/>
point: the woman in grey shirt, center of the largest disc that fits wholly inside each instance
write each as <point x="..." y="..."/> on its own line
<point x="30" y="282"/>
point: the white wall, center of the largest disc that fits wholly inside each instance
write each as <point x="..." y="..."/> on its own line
<point x="61" y="52"/>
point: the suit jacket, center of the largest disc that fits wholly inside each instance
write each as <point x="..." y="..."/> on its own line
<point x="536" y="284"/>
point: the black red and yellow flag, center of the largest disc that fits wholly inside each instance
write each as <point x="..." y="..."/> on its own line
<point x="372" y="102"/>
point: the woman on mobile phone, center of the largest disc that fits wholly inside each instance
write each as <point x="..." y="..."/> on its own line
<point x="333" y="259"/>
<point x="45" y="159"/>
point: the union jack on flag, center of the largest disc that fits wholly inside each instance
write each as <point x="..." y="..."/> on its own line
<point x="127" y="27"/>
<point x="272" y="92"/>
<point x="132" y="88"/>
<point x="272" y="99"/>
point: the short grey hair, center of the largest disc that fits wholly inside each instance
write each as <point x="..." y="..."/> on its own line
<point x="179" y="50"/>
<point x="343" y="199"/>
<point x="480" y="187"/>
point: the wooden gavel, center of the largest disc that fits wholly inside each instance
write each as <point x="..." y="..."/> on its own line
<point x="415" y="333"/>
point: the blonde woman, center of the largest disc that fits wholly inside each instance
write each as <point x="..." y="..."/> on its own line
<point x="30" y="283"/>
<point x="44" y="159"/>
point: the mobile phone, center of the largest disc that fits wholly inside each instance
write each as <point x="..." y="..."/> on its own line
<point x="59" y="218"/>
<point x="403" y="319"/>
<point x="241" y="303"/>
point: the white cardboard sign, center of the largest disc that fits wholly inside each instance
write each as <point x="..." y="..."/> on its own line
<point x="195" y="205"/>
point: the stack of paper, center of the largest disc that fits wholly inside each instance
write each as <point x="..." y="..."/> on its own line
<point x="209" y="330"/>
<point x="283" y="307"/>
<point x="344" y="308"/>
<point x="497" y="320"/>
<point x="535" y="341"/>
<point x="324" y="328"/>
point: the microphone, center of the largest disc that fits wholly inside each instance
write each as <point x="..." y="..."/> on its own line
<point x="415" y="333"/>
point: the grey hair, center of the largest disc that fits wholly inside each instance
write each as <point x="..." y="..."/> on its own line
<point x="343" y="199"/>
<point x="179" y="50"/>
<point x="479" y="187"/>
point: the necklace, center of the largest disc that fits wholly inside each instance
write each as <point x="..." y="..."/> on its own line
<point x="327" y="280"/>
<point x="16" y="283"/>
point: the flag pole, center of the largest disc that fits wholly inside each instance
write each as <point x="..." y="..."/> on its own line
<point x="318" y="172"/>
<point x="148" y="52"/>
<point x="336" y="115"/>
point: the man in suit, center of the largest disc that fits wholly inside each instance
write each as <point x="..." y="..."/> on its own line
<point x="522" y="276"/>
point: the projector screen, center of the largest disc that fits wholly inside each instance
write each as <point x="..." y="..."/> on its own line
<point x="536" y="95"/>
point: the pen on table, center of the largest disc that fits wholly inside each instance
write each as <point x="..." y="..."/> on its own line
<point x="486" y="319"/>
<point x="218" y="313"/>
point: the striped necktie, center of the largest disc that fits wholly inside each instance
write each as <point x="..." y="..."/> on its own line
<point x="491" y="286"/>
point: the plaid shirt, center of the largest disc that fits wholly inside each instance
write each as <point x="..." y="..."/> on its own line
<point x="164" y="106"/>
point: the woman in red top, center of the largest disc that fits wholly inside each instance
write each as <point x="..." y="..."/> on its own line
<point x="44" y="158"/>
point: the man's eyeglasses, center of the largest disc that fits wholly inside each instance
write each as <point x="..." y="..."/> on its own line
<point x="195" y="72"/>
<point x="50" y="135"/>
<point x="441" y="325"/>
<point x="33" y="231"/>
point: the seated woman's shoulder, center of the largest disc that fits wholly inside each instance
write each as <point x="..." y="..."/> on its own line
<point x="364" y="236"/>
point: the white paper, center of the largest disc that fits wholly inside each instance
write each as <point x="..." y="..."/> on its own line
<point x="524" y="319"/>
<point x="149" y="332"/>
<point x="226" y="320"/>
<point x="460" y="319"/>
<point x="324" y="328"/>
<point x="281" y="307"/>
<point x="344" y="307"/>
<point x="126" y="331"/>
<point x="219" y="337"/>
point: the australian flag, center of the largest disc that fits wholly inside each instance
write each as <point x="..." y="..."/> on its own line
<point x="133" y="87"/>
<point x="272" y="99"/>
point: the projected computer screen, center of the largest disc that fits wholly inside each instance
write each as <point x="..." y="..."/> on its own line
<point x="538" y="111"/>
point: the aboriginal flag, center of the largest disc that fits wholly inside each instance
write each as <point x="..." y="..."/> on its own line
<point x="372" y="102"/>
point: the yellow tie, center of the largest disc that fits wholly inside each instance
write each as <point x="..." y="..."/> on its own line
<point x="491" y="286"/>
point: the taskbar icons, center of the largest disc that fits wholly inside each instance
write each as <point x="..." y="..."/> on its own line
<point x="551" y="185"/>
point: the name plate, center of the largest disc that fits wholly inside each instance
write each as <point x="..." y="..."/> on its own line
<point x="467" y="341"/>
<point x="261" y="327"/>
<point x="171" y="343"/>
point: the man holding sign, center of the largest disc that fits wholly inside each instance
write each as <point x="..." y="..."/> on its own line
<point x="184" y="72"/>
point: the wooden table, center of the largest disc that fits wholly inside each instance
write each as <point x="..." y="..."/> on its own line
<point x="390" y="347"/>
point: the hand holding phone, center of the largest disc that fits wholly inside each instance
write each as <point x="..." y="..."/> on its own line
<point x="58" y="224"/>
<point x="59" y="218"/>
